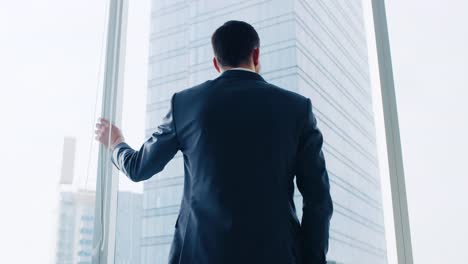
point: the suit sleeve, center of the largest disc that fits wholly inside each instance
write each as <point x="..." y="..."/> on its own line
<point x="312" y="182"/>
<point x="153" y="155"/>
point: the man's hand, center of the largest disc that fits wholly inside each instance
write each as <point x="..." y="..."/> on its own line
<point x="103" y="128"/>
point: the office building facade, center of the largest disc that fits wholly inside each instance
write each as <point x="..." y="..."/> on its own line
<point x="316" y="48"/>
<point x="76" y="228"/>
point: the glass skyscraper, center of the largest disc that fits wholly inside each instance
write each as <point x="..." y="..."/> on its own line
<point x="314" y="47"/>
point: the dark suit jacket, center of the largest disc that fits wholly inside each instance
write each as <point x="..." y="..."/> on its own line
<point x="243" y="141"/>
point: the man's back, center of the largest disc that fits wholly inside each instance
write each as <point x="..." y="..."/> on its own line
<point x="240" y="139"/>
<point x="239" y="136"/>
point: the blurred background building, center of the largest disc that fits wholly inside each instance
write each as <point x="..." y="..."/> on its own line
<point x="76" y="225"/>
<point x="75" y="229"/>
<point x="76" y="219"/>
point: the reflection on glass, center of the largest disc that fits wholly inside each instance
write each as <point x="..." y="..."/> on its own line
<point x="316" y="48"/>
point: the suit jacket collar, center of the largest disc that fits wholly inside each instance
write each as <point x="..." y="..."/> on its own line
<point x="241" y="74"/>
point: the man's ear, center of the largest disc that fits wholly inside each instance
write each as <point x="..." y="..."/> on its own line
<point x="215" y="64"/>
<point x="256" y="56"/>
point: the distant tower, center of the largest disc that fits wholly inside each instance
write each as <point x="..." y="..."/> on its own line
<point x="68" y="160"/>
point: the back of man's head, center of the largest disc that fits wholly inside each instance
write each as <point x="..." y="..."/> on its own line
<point x="234" y="42"/>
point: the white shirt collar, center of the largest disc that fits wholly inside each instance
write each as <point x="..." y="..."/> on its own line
<point x="240" y="68"/>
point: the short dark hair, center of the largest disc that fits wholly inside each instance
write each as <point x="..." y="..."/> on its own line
<point x="233" y="43"/>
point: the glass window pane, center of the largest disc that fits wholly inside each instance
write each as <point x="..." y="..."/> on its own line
<point x="51" y="56"/>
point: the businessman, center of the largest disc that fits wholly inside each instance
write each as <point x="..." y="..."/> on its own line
<point x="243" y="141"/>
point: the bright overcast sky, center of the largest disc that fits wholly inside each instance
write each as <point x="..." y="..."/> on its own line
<point x="49" y="60"/>
<point x="429" y="42"/>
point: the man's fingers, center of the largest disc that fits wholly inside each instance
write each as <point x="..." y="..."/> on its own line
<point x="107" y="133"/>
<point x="101" y="124"/>
<point x="104" y="121"/>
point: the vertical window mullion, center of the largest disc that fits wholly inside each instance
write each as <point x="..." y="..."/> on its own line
<point x="107" y="174"/>
<point x="392" y="134"/>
